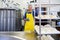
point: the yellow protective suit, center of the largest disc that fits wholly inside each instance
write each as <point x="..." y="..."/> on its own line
<point x="29" y="25"/>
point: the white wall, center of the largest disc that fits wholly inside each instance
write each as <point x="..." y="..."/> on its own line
<point x="55" y="1"/>
<point x="23" y="3"/>
<point x="51" y="1"/>
<point x="44" y="1"/>
<point x="55" y="8"/>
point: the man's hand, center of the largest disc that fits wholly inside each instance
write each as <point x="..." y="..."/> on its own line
<point x="26" y="19"/>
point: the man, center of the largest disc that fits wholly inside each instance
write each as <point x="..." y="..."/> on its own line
<point x="29" y="9"/>
<point x="33" y="13"/>
<point x="29" y="20"/>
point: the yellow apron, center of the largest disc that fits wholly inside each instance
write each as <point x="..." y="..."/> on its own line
<point x="29" y="25"/>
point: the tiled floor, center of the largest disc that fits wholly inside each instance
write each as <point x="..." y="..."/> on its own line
<point x="17" y="36"/>
<point x="5" y="37"/>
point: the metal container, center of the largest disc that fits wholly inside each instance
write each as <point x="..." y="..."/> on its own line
<point x="8" y="19"/>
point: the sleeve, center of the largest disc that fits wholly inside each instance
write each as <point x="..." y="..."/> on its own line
<point x="24" y="17"/>
<point x="33" y="13"/>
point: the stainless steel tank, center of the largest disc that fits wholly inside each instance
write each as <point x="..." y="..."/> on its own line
<point x="8" y="19"/>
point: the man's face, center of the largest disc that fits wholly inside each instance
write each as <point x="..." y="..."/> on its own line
<point x="30" y="7"/>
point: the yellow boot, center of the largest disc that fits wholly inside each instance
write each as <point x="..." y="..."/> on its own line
<point x="29" y="25"/>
